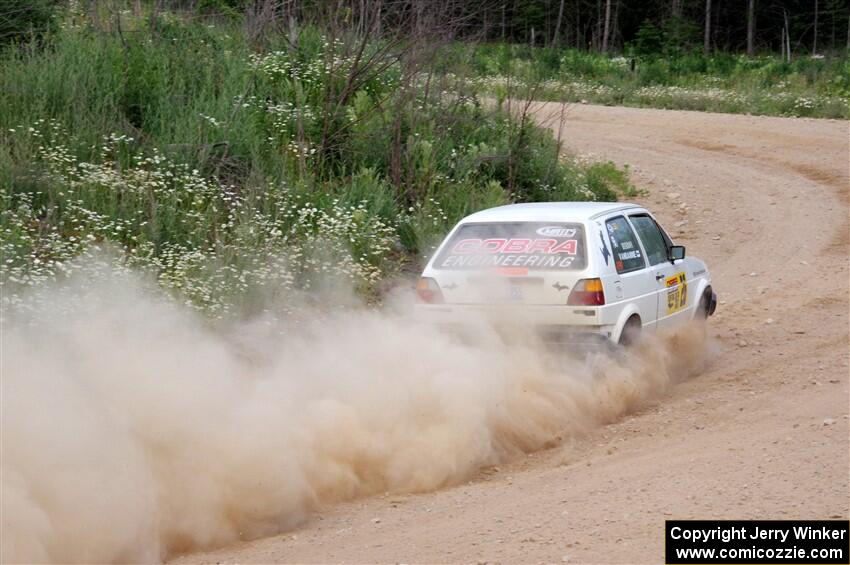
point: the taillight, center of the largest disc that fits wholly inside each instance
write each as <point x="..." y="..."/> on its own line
<point x="429" y="291"/>
<point x="587" y="292"/>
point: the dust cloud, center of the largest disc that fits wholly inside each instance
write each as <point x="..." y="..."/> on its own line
<point x="133" y="430"/>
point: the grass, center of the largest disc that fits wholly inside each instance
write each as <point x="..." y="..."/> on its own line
<point x="202" y="158"/>
<point x="765" y="85"/>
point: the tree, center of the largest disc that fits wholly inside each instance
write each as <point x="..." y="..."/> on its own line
<point x="815" y="39"/>
<point x="648" y="40"/>
<point x="751" y="17"/>
<point x="607" y="26"/>
<point x="706" y="44"/>
<point x="786" y="30"/>
<point x="558" y="23"/>
<point x="676" y="9"/>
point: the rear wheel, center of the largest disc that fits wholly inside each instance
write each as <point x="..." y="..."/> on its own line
<point x="631" y="332"/>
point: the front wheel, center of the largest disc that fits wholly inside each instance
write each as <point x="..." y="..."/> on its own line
<point x="707" y="304"/>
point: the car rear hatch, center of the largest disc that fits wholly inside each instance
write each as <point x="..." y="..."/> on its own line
<point x="532" y="263"/>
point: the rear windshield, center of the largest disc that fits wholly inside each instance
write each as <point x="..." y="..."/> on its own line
<point x="530" y="245"/>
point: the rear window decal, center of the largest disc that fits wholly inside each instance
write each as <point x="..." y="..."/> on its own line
<point x="604" y="249"/>
<point x="494" y="246"/>
<point x="556" y="231"/>
<point x="624" y="246"/>
<point x="528" y="245"/>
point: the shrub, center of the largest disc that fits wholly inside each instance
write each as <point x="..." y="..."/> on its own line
<point x="225" y="171"/>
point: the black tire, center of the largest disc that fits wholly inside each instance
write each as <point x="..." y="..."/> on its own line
<point x="704" y="305"/>
<point x="631" y="332"/>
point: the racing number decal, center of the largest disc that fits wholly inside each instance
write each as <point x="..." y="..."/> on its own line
<point x="677" y="292"/>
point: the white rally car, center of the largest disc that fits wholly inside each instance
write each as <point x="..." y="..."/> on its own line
<point x="580" y="272"/>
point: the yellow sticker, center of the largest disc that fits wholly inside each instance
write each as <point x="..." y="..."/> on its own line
<point x="677" y="292"/>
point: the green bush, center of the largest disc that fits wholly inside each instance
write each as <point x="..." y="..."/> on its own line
<point x="652" y="72"/>
<point x="221" y="169"/>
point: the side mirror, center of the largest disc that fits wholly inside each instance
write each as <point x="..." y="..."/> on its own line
<point x="676" y="252"/>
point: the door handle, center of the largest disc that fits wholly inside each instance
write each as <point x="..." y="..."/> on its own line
<point x="659" y="277"/>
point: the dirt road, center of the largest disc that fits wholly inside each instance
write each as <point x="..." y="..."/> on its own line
<point x="763" y="434"/>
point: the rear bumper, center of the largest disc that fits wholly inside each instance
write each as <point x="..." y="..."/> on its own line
<point x="595" y="336"/>
<point x="533" y="314"/>
<point x="552" y="325"/>
<point x="548" y="337"/>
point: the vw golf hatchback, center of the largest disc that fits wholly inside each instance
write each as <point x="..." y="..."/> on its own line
<point x="580" y="272"/>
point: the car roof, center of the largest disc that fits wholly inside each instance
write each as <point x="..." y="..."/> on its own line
<point x="548" y="212"/>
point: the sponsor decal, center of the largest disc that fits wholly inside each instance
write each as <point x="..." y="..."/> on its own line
<point x="604" y="249"/>
<point x="559" y="287"/>
<point x="677" y="292"/>
<point x="556" y="231"/>
<point x="514" y="245"/>
<point x="501" y="261"/>
<point x="629" y="255"/>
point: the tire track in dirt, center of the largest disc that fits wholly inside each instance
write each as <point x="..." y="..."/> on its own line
<point x="763" y="434"/>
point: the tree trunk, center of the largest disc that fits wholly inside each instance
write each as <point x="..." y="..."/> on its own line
<point x="815" y="40"/>
<point x="504" y="5"/>
<point x="676" y="21"/>
<point x="676" y="9"/>
<point x="580" y="36"/>
<point x="832" y="20"/>
<point x="706" y="43"/>
<point x="597" y="33"/>
<point x="557" y="38"/>
<point x="787" y="31"/>
<point x="751" y="16"/>
<point x="607" y="26"/>
<point x="615" y="30"/>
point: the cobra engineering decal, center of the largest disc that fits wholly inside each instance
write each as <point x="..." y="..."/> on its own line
<point x="677" y="292"/>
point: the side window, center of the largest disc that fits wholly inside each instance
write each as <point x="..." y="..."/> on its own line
<point x="667" y="240"/>
<point x="652" y="238"/>
<point x="624" y="245"/>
